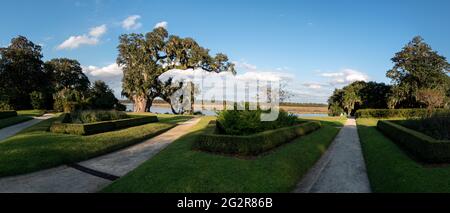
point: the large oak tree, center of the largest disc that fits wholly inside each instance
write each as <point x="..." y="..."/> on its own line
<point x="144" y="58"/>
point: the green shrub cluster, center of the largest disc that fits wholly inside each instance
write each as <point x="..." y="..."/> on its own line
<point x="251" y="145"/>
<point x="437" y="125"/>
<point x="99" y="127"/>
<point x="247" y="122"/>
<point x="92" y="116"/>
<point x="423" y="146"/>
<point x="7" y="114"/>
<point x="391" y="113"/>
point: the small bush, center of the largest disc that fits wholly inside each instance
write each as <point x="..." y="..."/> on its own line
<point x="92" y="116"/>
<point x="252" y="144"/>
<point x="391" y="113"/>
<point x="7" y="114"/>
<point x="4" y="106"/>
<point x="37" y="100"/>
<point x="99" y="127"/>
<point x="423" y="146"/>
<point x="247" y="122"/>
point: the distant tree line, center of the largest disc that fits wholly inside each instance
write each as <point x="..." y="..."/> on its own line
<point x="419" y="80"/>
<point x="59" y="84"/>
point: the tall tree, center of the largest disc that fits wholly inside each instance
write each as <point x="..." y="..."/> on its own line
<point x="21" y="72"/>
<point x="66" y="74"/>
<point x="144" y="59"/>
<point x="417" y="67"/>
<point x="102" y="97"/>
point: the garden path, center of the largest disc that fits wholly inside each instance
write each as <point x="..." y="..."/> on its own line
<point x="341" y="169"/>
<point x="94" y="174"/>
<point x="14" y="129"/>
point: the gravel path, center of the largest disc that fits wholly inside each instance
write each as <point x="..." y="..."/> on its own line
<point x="14" y="129"/>
<point x="341" y="169"/>
<point x="94" y="174"/>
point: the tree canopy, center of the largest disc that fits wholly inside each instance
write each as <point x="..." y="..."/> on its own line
<point x="417" y="67"/>
<point x="359" y="95"/>
<point x="21" y="72"/>
<point x="144" y="58"/>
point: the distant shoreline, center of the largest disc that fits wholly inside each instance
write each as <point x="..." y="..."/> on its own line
<point x="292" y="109"/>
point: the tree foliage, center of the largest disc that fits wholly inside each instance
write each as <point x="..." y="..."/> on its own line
<point x="358" y="95"/>
<point x="21" y="72"/>
<point x="102" y="97"/>
<point x="417" y="67"/>
<point x="145" y="58"/>
<point x="66" y="74"/>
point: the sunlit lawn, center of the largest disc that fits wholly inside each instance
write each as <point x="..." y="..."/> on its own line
<point x="180" y="169"/>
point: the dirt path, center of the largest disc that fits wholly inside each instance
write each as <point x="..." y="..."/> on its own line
<point x="94" y="174"/>
<point x="341" y="169"/>
<point x="14" y="129"/>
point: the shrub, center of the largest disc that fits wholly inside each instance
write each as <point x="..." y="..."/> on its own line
<point x="437" y="125"/>
<point x="37" y="100"/>
<point x="7" y="114"/>
<point x="92" y="116"/>
<point x="390" y="113"/>
<point x="420" y="145"/>
<point x="251" y="144"/>
<point x="246" y="122"/>
<point x="99" y="127"/>
<point x="4" y="106"/>
<point x="335" y="110"/>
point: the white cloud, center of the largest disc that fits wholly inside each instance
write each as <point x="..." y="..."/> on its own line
<point x="98" y="31"/>
<point x="313" y="85"/>
<point x="345" y="76"/>
<point x="107" y="71"/>
<point x="162" y="24"/>
<point x="131" y="22"/>
<point x="74" y="42"/>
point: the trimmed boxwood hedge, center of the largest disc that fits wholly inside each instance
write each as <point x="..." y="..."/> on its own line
<point x="251" y="145"/>
<point x="7" y="114"/>
<point x="99" y="127"/>
<point x="423" y="146"/>
<point x="391" y="113"/>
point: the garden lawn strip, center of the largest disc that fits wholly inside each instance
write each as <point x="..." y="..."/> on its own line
<point x="390" y="169"/>
<point x="35" y="148"/>
<point x="5" y="122"/>
<point x="178" y="168"/>
<point x="17" y="128"/>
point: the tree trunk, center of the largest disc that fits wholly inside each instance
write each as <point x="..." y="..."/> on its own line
<point x="140" y="103"/>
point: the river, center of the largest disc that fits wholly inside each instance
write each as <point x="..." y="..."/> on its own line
<point x="166" y="110"/>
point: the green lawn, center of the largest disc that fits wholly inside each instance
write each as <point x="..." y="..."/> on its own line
<point x="179" y="169"/>
<point x="5" y="122"/>
<point x="390" y="169"/>
<point x="35" y="148"/>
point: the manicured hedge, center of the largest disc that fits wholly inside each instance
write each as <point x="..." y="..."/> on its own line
<point x="7" y="114"/>
<point x="423" y="146"/>
<point x="99" y="127"/>
<point x="251" y="145"/>
<point x="391" y="113"/>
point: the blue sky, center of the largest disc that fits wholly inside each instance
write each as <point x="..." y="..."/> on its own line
<point x="320" y="45"/>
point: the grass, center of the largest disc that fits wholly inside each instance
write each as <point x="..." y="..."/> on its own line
<point x="5" y="122"/>
<point x="180" y="169"/>
<point x="22" y="116"/>
<point x="35" y="148"/>
<point x="390" y="169"/>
